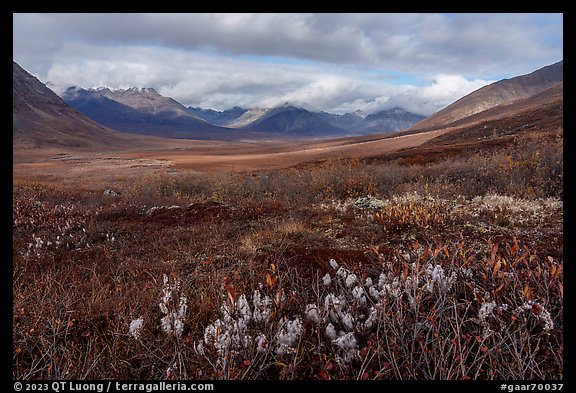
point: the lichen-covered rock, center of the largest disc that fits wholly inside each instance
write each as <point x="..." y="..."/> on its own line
<point x="110" y="192"/>
<point x="369" y="203"/>
<point x="157" y="208"/>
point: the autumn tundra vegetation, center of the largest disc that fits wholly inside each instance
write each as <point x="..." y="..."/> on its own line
<point x="432" y="268"/>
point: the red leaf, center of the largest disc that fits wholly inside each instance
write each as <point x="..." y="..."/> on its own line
<point x="231" y="297"/>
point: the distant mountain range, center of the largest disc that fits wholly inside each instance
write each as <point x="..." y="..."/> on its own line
<point x="145" y="111"/>
<point x="42" y="119"/>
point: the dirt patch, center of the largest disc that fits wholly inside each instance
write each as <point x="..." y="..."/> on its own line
<point x="314" y="260"/>
<point x="194" y="214"/>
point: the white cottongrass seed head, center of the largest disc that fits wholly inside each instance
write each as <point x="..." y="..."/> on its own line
<point x="374" y="293"/>
<point x="347" y="320"/>
<point x="358" y="294"/>
<point x="342" y="273"/>
<point x="351" y="280"/>
<point x="348" y="345"/>
<point x="288" y="335"/>
<point x="486" y="310"/>
<point x="262" y="307"/>
<point x="243" y="307"/>
<point x="174" y="313"/>
<point x="372" y="318"/>
<point x="334" y="264"/>
<point x="539" y="311"/>
<point x="331" y="332"/>
<point x="312" y="313"/>
<point x="136" y="328"/>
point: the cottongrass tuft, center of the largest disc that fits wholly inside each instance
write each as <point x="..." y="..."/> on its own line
<point x="358" y="294"/>
<point x="438" y="279"/>
<point x="331" y="332"/>
<point x="351" y="280"/>
<point x="136" y="328"/>
<point x="312" y="313"/>
<point x="342" y="273"/>
<point x="262" y="307"/>
<point x="243" y="308"/>
<point x="368" y="282"/>
<point x="346" y="314"/>
<point x="288" y="335"/>
<point x="334" y="264"/>
<point x="539" y="311"/>
<point x="174" y="312"/>
<point x="348" y="346"/>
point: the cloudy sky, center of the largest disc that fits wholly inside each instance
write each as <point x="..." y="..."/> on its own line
<point x="332" y="62"/>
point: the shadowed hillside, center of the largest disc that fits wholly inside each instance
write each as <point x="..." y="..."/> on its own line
<point x="42" y="119"/>
<point x="502" y="92"/>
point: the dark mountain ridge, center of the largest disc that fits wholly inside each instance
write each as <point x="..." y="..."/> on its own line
<point x="40" y="119"/>
<point x="143" y="111"/>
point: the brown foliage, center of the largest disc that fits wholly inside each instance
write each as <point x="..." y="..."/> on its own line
<point x="86" y="265"/>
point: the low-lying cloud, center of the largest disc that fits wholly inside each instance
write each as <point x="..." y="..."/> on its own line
<point x="220" y="83"/>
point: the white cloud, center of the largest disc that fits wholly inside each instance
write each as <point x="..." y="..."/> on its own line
<point x="220" y="83"/>
<point x="332" y="62"/>
<point x="442" y="91"/>
<point x="426" y="43"/>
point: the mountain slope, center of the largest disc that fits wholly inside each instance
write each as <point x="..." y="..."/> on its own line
<point x="250" y="116"/>
<point x="551" y="97"/>
<point x="358" y="123"/>
<point x="292" y="121"/>
<point x="395" y="119"/>
<point x="347" y="121"/>
<point x="542" y="112"/>
<point x="42" y="119"/>
<point x="536" y="118"/>
<point x="505" y="91"/>
<point x="220" y="118"/>
<point x="143" y="111"/>
<point x="149" y="101"/>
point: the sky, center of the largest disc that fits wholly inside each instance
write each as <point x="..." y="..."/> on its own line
<point x="324" y="62"/>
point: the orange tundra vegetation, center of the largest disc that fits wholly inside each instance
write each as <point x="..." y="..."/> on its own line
<point x="449" y="267"/>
